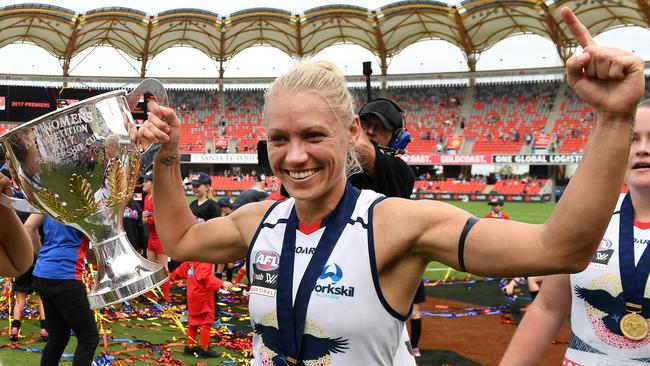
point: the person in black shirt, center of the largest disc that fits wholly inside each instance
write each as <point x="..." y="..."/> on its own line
<point x="134" y="227"/>
<point x="381" y="138"/>
<point x="204" y="207"/>
<point x="383" y="171"/>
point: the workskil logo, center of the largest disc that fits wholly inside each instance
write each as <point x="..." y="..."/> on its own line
<point x="332" y="274"/>
<point x="267" y="261"/>
<point x="335" y="276"/>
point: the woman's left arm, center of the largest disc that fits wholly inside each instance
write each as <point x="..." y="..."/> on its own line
<point x="612" y="82"/>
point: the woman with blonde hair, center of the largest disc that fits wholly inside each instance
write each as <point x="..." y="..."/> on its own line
<point x="333" y="269"/>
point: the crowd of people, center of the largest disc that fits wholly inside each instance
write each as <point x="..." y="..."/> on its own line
<point x="336" y="259"/>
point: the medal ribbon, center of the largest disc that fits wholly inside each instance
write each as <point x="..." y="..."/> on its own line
<point x="292" y="316"/>
<point x="633" y="278"/>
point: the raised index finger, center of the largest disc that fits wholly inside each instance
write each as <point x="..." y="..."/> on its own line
<point x="577" y="29"/>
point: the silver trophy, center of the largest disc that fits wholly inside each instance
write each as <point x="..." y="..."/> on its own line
<point x="79" y="166"/>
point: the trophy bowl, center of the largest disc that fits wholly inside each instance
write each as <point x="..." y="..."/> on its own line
<point x="79" y="166"/>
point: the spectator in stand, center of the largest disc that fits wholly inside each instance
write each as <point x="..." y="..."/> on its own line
<point x="497" y="210"/>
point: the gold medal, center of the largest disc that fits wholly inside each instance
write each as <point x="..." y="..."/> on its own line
<point x="634" y="326"/>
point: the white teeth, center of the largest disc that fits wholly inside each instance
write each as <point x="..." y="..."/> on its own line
<point x="302" y="175"/>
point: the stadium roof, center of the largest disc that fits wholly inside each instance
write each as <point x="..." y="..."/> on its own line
<point x="472" y="25"/>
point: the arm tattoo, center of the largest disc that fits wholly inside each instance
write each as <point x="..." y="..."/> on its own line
<point x="168" y="160"/>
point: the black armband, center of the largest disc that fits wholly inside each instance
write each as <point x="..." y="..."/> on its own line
<point x="461" y="241"/>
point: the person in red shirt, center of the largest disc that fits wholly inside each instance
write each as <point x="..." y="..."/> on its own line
<point x="201" y="284"/>
<point x="154" y="246"/>
<point x="497" y="210"/>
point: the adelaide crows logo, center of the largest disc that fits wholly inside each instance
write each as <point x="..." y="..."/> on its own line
<point x="613" y="308"/>
<point x="313" y="348"/>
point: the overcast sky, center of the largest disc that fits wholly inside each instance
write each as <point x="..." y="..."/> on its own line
<point x="424" y="56"/>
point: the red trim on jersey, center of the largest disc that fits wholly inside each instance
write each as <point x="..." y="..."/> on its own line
<point x="276" y="196"/>
<point x="309" y="229"/>
<point x="642" y="225"/>
<point x="81" y="255"/>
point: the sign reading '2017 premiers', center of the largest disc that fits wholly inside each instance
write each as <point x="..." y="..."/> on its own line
<point x="537" y="159"/>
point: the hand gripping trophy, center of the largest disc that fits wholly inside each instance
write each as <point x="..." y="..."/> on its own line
<point x="79" y="166"/>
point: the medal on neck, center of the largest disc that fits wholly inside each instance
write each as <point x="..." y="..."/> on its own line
<point x="633" y="277"/>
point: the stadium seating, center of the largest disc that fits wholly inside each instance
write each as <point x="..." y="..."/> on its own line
<point x="519" y="186"/>
<point x="232" y="184"/>
<point x="6" y="126"/>
<point x="503" y="114"/>
<point x="449" y="186"/>
<point x="500" y="117"/>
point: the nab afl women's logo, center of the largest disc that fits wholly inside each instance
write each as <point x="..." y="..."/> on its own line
<point x="605" y="244"/>
<point x="267" y="261"/>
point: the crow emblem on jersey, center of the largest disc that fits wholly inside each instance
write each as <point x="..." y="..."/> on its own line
<point x="313" y="348"/>
<point x="612" y="306"/>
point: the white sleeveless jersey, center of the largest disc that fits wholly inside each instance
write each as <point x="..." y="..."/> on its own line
<point x="348" y="320"/>
<point x="597" y="307"/>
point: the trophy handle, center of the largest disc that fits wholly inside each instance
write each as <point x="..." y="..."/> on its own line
<point x="17" y="204"/>
<point x="155" y="88"/>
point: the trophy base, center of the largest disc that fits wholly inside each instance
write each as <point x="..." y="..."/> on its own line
<point x="122" y="273"/>
<point x="137" y="288"/>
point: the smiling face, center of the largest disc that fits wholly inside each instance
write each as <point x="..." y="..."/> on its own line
<point x="637" y="176"/>
<point x="307" y="144"/>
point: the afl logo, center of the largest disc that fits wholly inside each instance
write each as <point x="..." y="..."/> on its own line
<point x="267" y="261"/>
<point x="605" y="244"/>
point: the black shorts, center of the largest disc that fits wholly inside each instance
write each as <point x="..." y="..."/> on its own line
<point x="25" y="282"/>
<point x="420" y="296"/>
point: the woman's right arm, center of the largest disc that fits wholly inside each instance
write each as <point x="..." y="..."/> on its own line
<point x="219" y="240"/>
<point x="542" y="322"/>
